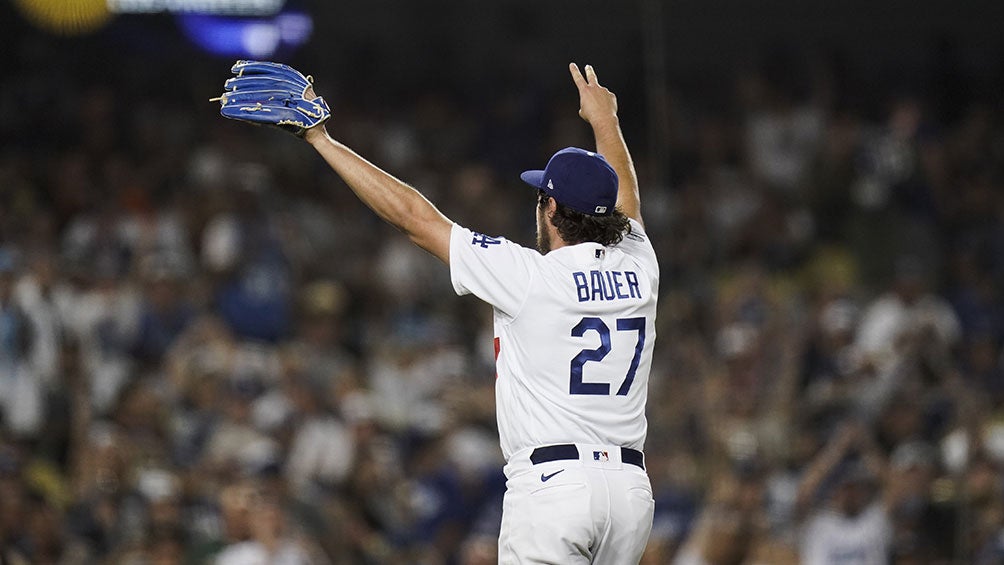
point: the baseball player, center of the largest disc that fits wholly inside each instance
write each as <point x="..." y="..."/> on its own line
<point x="574" y="320"/>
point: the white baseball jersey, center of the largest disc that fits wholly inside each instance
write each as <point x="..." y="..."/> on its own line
<point x="574" y="333"/>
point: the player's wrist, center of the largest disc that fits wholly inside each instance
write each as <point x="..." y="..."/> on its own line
<point x="605" y="121"/>
<point x="315" y="135"/>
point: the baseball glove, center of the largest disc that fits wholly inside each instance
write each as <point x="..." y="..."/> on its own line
<point x="272" y="94"/>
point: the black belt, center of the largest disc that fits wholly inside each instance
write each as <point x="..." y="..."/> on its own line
<point x="565" y="451"/>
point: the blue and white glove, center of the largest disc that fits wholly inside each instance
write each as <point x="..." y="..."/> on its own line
<point x="272" y="94"/>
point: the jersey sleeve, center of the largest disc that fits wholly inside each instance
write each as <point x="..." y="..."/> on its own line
<point x="494" y="269"/>
<point x="638" y="245"/>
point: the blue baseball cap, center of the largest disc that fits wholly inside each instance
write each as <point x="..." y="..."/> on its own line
<point x="579" y="179"/>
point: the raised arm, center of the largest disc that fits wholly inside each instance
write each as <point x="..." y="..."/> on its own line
<point x="598" y="107"/>
<point x="274" y="94"/>
<point x="394" y="201"/>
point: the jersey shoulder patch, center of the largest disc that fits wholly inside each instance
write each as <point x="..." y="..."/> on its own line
<point x="483" y="241"/>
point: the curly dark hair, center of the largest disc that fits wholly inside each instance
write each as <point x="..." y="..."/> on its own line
<point x="575" y="227"/>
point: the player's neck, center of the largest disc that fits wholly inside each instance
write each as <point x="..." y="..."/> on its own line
<point x="558" y="243"/>
<point x="551" y="240"/>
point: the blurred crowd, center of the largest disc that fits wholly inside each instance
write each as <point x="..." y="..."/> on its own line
<point x="210" y="352"/>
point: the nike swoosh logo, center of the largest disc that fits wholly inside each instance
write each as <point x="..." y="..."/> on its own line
<point x="544" y="478"/>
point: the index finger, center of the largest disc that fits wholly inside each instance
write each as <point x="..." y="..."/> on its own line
<point x="577" y="77"/>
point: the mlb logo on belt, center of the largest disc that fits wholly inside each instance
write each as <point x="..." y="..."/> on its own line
<point x="601" y="456"/>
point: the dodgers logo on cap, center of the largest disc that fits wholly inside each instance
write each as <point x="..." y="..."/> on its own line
<point x="579" y="179"/>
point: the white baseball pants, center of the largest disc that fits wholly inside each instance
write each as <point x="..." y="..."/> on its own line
<point x="593" y="509"/>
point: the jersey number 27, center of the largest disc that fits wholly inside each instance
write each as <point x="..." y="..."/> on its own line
<point x="575" y="385"/>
